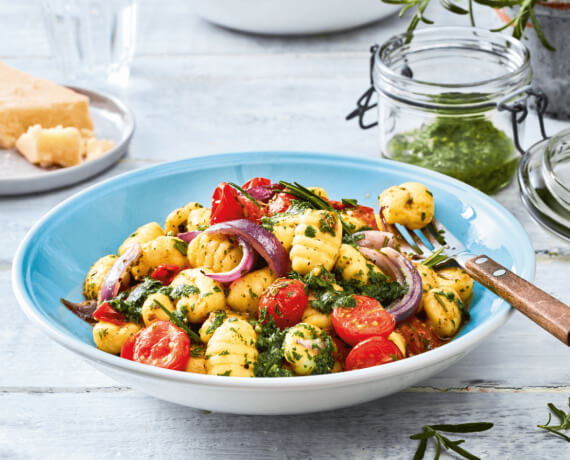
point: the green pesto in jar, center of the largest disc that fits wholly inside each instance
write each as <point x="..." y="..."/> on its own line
<point x="471" y="149"/>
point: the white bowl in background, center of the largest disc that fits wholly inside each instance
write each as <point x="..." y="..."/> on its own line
<point x="292" y="17"/>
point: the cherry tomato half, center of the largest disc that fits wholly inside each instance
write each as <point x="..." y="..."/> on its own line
<point x="225" y="204"/>
<point x="362" y="213"/>
<point x="252" y="211"/>
<point x="285" y="301"/>
<point x="372" y="352"/>
<point x="256" y="182"/>
<point x="280" y="203"/>
<point x="108" y="314"/>
<point x="418" y="335"/>
<point x="161" y="344"/>
<point x="165" y="273"/>
<point x="366" y="319"/>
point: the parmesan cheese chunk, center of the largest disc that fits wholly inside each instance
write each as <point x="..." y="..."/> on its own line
<point x="27" y="101"/>
<point x="52" y="146"/>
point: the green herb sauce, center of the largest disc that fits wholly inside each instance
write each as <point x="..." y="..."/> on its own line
<point x="470" y="149"/>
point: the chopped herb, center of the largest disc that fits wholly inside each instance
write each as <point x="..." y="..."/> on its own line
<point x="182" y="290"/>
<point x="327" y="297"/>
<point x="327" y="224"/>
<point x="181" y="247"/>
<point x="352" y="239"/>
<point x="225" y="374"/>
<point x="324" y="361"/>
<point x="197" y="352"/>
<point x="217" y="322"/>
<point x="178" y="320"/>
<point x="349" y="202"/>
<point x="435" y="259"/>
<point x="270" y="346"/>
<point x="130" y="304"/>
<point x="310" y="231"/>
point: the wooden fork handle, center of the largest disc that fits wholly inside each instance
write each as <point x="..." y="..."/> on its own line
<point x="546" y="311"/>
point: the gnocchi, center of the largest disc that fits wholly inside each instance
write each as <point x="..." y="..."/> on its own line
<point x="317" y="241"/>
<point x="310" y="302"/>
<point x="231" y="349"/>
<point x="410" y="204"/>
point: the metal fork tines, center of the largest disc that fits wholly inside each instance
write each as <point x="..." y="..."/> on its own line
<point x="435" y="234"/>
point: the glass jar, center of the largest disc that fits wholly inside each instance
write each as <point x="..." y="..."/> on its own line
<point x="544" y="181"/>
<point x="450" y="99"/>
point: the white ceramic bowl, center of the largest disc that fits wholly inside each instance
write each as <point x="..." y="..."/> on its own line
<point x="56" y="254"/>
<point x="292" y="17"/>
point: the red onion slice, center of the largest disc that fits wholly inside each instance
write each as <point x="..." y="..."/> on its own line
<point x="188" y="236"/>
<point x="385" y="263"/>
<point x="392" y="262"/>
<point x="241" y="269"/>
<point x="113" y="279"/>
<point x="83" y="310"/>
<point x="263" y="241"/>
<point x="376" y="239"/>
<point x="261" y="193"/>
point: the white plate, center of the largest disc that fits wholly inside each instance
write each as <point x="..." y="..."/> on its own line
<point x="111" y="119"/>
<point x="292" y="17"/>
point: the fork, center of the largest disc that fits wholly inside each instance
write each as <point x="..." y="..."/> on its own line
<point x="546" y="311"/>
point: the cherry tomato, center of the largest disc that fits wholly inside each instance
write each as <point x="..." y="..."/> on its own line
<point x="280" y="203"/>
<point x="225" y="204"/>
<point x="128" y="348"/>
<point x="363" y="213"/>
<point x="256" y="182"/>
<point x="418" y="335"/>
<point x="367" y="319"/>
<point x="161" y="344"/>
<point x="252" y="211"/>
<point x="108" y="314"/>
<point x="165" y="273"/>
<point x="372" y="352"/>
<point x="285" y="301"/>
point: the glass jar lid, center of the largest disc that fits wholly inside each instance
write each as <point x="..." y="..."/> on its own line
<point x="544" y="181"/>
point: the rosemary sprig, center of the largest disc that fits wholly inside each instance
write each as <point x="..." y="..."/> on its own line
<point x="247" y="195"/>
<point x="431" y="431"/>
<point x="564" y="419"/>
<point x="178" y="322"/>
<point x="303" y="193"/>
<point x="519" y="22"/>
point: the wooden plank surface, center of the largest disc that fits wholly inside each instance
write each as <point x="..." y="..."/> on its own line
<point x="123" y="423"/>
<point x="200" y="89"/>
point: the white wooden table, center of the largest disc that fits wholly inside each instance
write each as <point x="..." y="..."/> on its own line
<point x="198" y="89"/>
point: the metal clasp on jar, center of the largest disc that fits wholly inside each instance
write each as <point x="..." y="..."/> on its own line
<point x="517" y="107"/>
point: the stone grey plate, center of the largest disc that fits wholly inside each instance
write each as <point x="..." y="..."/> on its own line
<point x="111" y="119"/>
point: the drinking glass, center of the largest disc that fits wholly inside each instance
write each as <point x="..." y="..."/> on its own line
<point x="92" y="39"/>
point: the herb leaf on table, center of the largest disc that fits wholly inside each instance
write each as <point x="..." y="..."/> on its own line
<point x="431" y="431"/>
<point x="564" y="419"/>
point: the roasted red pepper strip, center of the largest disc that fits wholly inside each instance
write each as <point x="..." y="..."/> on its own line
<point x="165" y="273"/>
<point x="108" y="314"/>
